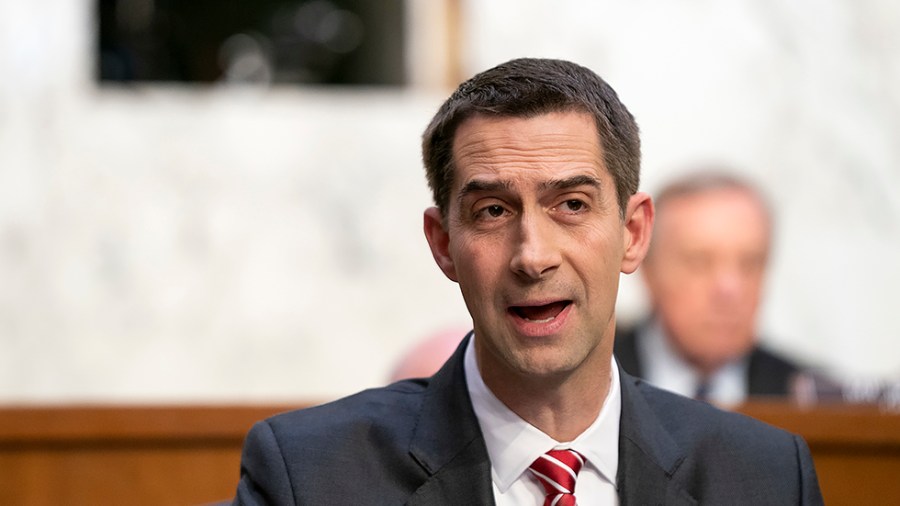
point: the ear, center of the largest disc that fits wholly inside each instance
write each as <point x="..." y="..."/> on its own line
<point x="439" y="242"/>
<point x="638" y="229"/>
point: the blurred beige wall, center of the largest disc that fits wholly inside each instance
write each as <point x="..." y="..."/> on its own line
<point x="220" y="243"/>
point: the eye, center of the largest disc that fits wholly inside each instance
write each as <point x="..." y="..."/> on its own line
<point x="490" y="212"/>
<point x="572" y="206"/>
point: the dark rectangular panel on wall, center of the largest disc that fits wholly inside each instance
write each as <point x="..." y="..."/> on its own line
<point x="325" y="42"/>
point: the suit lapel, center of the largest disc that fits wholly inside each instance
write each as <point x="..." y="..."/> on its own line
<point x="448" y="444"/>
<point x="464" y="480"/>
<point x="648" y="456"/>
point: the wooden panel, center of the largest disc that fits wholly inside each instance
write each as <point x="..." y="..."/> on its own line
<point x="118" y="474"/>
<point x="184" y="455"/>
<point x="176" y="455"/>
<point x="130" y="423"/>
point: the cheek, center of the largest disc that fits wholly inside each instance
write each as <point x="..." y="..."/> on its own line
<point x="676" y="306"/>
<point x="596" y="247"/>
<point x="683" y="295"/>
<point x="673" y="280"/>
<point x="476" y="260"/>
<point x="754" y="288"/>
<point x="751" y="304"/>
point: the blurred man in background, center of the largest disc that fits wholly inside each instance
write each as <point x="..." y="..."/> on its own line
<point x="704" y="274"/>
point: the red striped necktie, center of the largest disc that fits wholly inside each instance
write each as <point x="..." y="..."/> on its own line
<point x="557" y="470"/>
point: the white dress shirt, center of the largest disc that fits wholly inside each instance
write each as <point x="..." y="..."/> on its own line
<point x="513" y="444"/>
<point x="663" y="367"/>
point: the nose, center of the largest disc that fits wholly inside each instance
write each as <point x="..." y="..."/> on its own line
<point x="729" y="284"/>
<point x="537" y="252"/>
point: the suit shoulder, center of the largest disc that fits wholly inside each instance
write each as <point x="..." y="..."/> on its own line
<point x="717" y="456"/>
<point x="700" y="424"/>
<point x="364" y="435"/>
<point x="395" y="404"/>
<point x="379" y="421"/>
<point x="769" y="373"/>
<point x="774" y="361"/>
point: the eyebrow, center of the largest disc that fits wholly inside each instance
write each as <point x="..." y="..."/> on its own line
<point x="480" y="186"/>
<point x="571" y="182"/>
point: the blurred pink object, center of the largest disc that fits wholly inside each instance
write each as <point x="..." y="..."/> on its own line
<point x="427" y="356"/>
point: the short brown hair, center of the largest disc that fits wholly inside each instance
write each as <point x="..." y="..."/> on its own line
<point x="529" y="87"/>
<point x="703" y="179"/>
<point x="706" y="178"/>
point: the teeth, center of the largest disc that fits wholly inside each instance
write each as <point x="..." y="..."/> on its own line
<point x="545" y="320"/>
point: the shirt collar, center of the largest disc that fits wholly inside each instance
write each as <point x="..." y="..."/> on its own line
<point x="664" y="367"/>
<point x="513" y="444"/>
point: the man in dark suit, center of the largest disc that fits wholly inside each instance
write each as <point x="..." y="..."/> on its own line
<point x="704" y="274"/>
<point x="760" y="372"/>
<point x="534" y="166"/>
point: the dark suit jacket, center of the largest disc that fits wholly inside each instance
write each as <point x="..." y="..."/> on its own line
<point x="418" y="442"/>
<point x="767" y="373"/>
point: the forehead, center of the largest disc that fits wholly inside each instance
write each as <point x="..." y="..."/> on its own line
<point x="730" y="216"/>
<point x="557" y="142"/>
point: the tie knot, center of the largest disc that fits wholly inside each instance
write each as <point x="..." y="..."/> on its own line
<point x="557" y="471"/>
<point x="702" y="391"/>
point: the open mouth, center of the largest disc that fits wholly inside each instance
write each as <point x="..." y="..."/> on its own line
<point x="540" y="314"/>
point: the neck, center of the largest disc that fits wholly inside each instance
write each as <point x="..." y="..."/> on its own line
<point x="703" y="368"/>
<point x="562" y="405"/>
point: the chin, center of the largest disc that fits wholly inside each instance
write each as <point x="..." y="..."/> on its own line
<point x="543" y="366"/>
